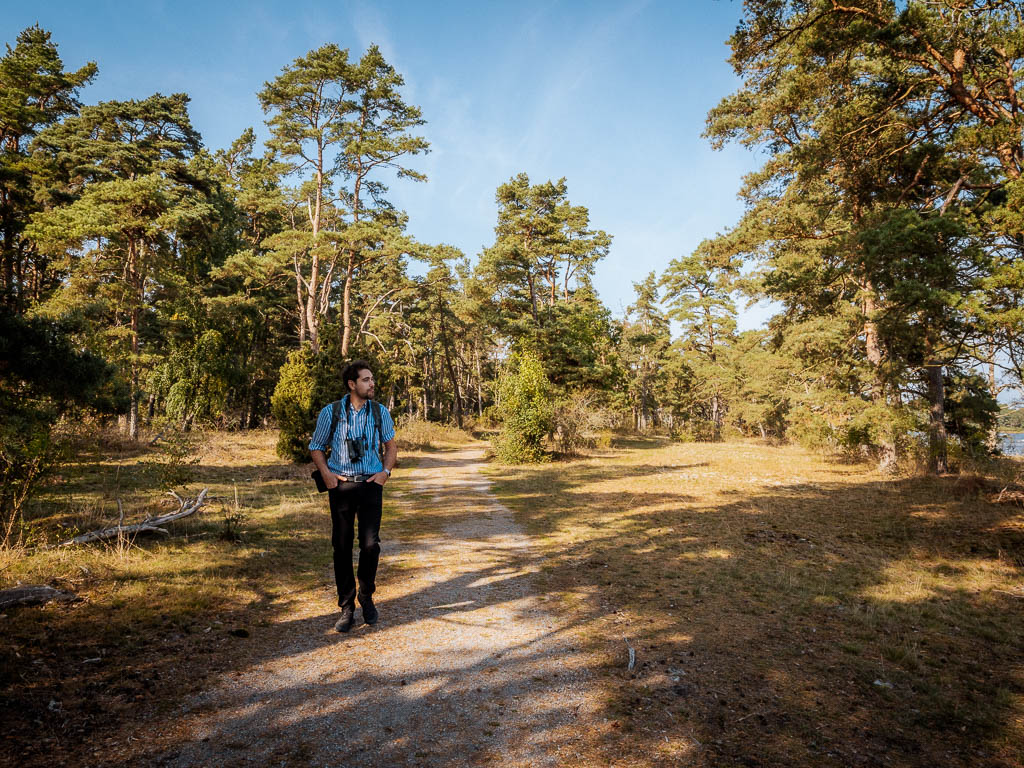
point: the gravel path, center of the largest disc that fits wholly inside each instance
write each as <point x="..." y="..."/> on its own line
<point x="466" y="666"/>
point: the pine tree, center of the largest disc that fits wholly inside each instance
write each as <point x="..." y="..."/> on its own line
<point x="865" y="109"/>
<point x="35" y="92"/>
<point x="644" y="346"/>
<point x="698" y="292"/>
<point x="124" y="168"/>
<point x="342" y="122"/>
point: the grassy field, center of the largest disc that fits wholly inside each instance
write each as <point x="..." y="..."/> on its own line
<point x="784" y="610"/>
<point x="159" y="615"/>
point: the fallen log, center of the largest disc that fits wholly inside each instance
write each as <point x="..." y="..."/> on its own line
<point x="149" y="525"/>
<point x="33" y="595"/>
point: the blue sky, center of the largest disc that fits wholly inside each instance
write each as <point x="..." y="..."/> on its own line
<point x="611" y="95"/>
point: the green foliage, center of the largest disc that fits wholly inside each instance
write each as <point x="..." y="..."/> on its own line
<point x="43" y="377"/>
<point x="345" y="121"/>
<point x="36" y="93"/>
<point x="696" y="431"/>
<point x="886" y="221"/>
<point x="294" y="404"/>
<point x="698" y="292"/>
<point x="535" y="282"/>
<point x="121" y="171"/>
<point x="195" y="378"/>
<point x="577" y="420"/>
<point x="28" y="454"/>
<point x="1011" y="418"/>
<point x="882" y="207"/>
<point x="971" y="412"/>
<point x="644" y="351"/>
<point x="176" y="459"/>
<point x="525" y="405"/>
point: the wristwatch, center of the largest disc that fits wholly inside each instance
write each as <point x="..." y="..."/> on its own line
<point x="388" y="471"/>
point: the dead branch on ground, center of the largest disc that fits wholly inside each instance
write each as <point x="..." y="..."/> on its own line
<point x="149" y="525"/>
<point x="33" y="595"/>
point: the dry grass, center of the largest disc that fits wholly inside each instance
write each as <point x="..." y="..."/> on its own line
<point x="158" y="615"/>
<point x="764" y="591"/>
<point x="786" y="611"/>
<point x="417" y="434"/>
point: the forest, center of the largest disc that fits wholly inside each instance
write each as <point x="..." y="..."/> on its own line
<point x="648" y="536"/>
<point x="156" y="283"/>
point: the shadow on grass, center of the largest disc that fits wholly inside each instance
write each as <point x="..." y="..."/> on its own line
<point x="827" y="624"/>
<point x="834" y="623"/>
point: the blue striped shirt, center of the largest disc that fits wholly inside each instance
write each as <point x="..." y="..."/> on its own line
<point x="360" y="425"/>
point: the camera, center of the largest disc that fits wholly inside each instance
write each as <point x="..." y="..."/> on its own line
<point x="355" y="449"/>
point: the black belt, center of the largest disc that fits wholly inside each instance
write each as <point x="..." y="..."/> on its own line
<point x="353" y="478"/>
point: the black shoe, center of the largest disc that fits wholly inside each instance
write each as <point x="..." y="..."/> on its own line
<point x="369" y="610"/>
<point x="344" y="623"/>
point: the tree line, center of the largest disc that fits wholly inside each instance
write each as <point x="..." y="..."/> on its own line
<point x="149" y="278"/>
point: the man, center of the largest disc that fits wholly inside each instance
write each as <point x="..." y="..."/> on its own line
<point x="355" y="475"/>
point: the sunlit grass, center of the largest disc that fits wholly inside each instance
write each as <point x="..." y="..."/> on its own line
<point x="779" y="587"/>
<point x="156" y="613"/>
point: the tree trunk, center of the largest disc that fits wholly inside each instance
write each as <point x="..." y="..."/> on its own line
<point x="533" y="298"/>
<point x="479" y="390"/>
<point x="133" y="409"/>
<point x="8" y="251"/>
<point x="716" y="416"/>
<point x="456" y="397"/>
<point x="993" y="387"/>
<point x="346" y="306"/>
<point x="300" y="305"/>
<point x="937" y="460"/>
<point x="873" y="349"/>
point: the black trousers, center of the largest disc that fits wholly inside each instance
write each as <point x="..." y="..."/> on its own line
<point x="352" y="503"/>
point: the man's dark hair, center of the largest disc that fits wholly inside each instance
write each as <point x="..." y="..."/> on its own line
<point x="352" y="371"/>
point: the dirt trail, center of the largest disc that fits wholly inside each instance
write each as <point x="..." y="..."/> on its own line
<point x="465" y="667"/>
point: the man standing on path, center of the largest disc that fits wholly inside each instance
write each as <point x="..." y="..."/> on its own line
<point x="358" y="431"/>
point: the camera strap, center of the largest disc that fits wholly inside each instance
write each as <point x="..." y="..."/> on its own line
<point x="335" y="416"/>
<point x="380" y="426"/>
<point x="373" y="405"/>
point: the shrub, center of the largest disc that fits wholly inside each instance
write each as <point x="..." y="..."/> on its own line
<point x="46" y="386"/>
<point x="971" y="413"/>
<point x="294" y="406"/>
<point x="810" y="429"/>
<point x="694" y="431"/>
<point x="524" y="403"/>
<point x="576" y="418"/>
<point x="28" y="454"/>
<point x="177" y="456"/>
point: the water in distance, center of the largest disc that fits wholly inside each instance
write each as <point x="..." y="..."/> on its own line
<point x="1012" y="443"/>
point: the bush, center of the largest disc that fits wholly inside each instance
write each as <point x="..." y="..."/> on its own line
<point x="696" y="431"/>
<point x="576" y="418"/>
<point x="524" y="403"/>
<point x="810" y="429"/>
<point x="294" y="406"/>
<point x="971" y="413"/>
<point x="177" y="457"/>
<point x="29" y="452"/>
<point x="47" y="385"/>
